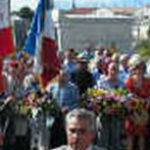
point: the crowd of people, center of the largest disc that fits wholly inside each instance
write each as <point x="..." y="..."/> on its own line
<point x="33" y="116"/>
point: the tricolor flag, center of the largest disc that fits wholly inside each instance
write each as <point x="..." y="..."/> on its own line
<point x="6" y="39"/>
<point x="41" y="42"/>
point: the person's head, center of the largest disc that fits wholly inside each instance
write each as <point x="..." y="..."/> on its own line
<point x="82" y="63"/>
<point x="106" y="53"/>
<point x="70" y="54"/>
<point x="112" y="69"/>
<point x="31" y="96"/>
<point x="62" y="77"/>
<point x="88" y="46"/>
<point x="13" y="67"/>
<point x="99" y="64"/>
<point x="136" y="65"/>
<point x="80" y="128"/>
<point x="124" y="60"/>
<point x="98" y="54"/>
<point x="29" y="63"/>
<point x="115" y="57"/>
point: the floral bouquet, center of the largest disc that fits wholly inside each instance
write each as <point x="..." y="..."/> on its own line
<point x="22" y="108"/>
<point x="106" y="102"/>
<point x="137" y="119"/>
<point x="50" y="106"/>
<point x="90" y="97"/>
<point x="121" y="91"/>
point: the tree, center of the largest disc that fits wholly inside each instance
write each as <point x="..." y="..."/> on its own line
<point x="26" y="13"/>
<point x="148" y="33"/>
<point x="144" y="49"/>
<point x="22" y="25"/>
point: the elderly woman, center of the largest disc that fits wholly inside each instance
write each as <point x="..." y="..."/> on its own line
<point x="110" y="129"/>
<point x="137" y="83"/>
<point x="111" y="80"/>
<point x="139" y="86"/>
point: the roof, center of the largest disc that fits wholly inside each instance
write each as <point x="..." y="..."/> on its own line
<point x="81" y="10"/>
<point x="124" y="10"/>
<point x="148" y="5"/>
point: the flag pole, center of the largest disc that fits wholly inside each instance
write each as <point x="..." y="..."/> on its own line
<point x="9" y="10"/>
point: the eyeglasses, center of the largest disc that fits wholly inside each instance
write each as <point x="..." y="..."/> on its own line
<point x="78" y="131"/>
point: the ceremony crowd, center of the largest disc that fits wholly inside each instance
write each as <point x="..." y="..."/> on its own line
<point x="32" y="117"/>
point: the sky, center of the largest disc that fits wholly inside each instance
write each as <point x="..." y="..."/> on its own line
<point x="17" y="4"/>
<point x="67" y="4"/>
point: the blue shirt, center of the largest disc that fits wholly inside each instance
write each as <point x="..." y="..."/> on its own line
<point x="66" y="95"/>
<point x="104" y="83"/>
<point x="96" y="73"/>
<point x="69" y="67"/>
<point x="123" y="74"/>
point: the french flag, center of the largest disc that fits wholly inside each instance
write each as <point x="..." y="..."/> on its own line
<point x="6" y="38"/>
<point x="42" y="44"/>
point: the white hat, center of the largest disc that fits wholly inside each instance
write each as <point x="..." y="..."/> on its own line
<point x="123" y="57"/>
<point x="134" y="61"/>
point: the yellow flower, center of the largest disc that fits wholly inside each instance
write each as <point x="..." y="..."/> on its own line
<point x="90" y="91"/>
<point x="140" y="119"/>
<point x="99" y="92"/>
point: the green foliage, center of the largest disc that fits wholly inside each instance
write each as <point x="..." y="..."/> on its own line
<point x="148" y="32"/>
<point x="51" y="106"/>
<point x="26" y="13"/>
<point x="144" y="49"/>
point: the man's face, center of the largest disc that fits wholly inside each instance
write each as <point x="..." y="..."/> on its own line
<point x="83" y="66"/>
<point x="70" y="55"/>
<point x="62" y="78"/>
<point x="79" y="135"/>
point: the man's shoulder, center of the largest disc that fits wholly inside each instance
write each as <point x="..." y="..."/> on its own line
<point x="71" y="85"/>
<point x="64" y="147"/>
<point x="97" y="148"/>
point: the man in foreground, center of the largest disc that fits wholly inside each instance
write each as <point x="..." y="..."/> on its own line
<point x="81" y="131"/>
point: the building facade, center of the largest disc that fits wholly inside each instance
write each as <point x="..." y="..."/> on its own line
<point x="102" y="26"/>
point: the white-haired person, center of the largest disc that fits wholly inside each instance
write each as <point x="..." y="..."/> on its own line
<point x="81" y="130"/>
<point x="137" y="83"/>
<point x="139" y="86"/>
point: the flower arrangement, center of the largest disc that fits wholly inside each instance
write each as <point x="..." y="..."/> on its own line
<point x="51" y="107"/>
<point x="42" y="102"/>
<point x="22" y="108"/>
<point x="137" y="115"/>
<point x="136" y="121"/>
<point x="107" y="102"/>
<point x="133" y="110"/>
